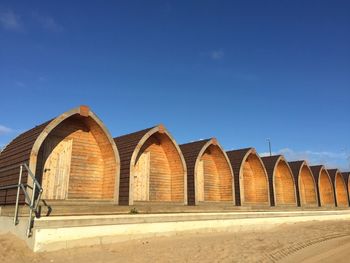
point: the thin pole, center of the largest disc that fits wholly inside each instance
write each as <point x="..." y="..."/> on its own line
<point x="269" y="142"/>
<point x="15" y="219"/>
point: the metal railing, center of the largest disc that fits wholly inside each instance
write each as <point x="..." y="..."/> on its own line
<point x="32" y="201"/>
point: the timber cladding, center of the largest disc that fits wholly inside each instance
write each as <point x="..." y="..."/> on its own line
<point x="251" y="179"/>
<point x="347" y="181"/>
<point x="324" y="186"/>
<point x="73" y="156"/>
<point x="339" y="187"/>
<point x="15" y="153"/>
<point x="209" y="172"/>
<point x="282" y="190"/>
<point x="306" y="187"/>
<point x="153" y="168"/>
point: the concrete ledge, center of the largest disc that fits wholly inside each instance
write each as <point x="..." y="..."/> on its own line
<point x="73" y="221"/>
<point x="54" y="233"/>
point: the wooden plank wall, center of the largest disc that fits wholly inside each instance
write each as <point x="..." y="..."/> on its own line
<point x="340" y="190"/>
<point x="177" y="169"/>
<point x="91" y="154"/>
<point x="326" y="190"/>
<point x="108" y="157"/>
<point x="254" y="181"/>
<point x="284" y="185"/>
<point x="10" y="177"/>
<point x="217" y="175"/>
<point x="17" y="152"/>
<point x="307" y="189"/>
<point x="166" y="169"/>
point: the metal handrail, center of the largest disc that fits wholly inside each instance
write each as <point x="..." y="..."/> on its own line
<point x="32" y="176"/>
<point x="31" y="201"/>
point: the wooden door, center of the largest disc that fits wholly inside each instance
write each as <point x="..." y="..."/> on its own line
<point x="200" y="181"/>
<point x="141" y="177"/>
<point x="57" y="157"/>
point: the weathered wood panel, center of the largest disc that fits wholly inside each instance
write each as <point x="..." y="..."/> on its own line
<point x="340" y="191"/>
<point x="166" y="173"/>
<point x="326" y="190"/>
<point x="141" y="175"/>
<point x="25" y="148"/>
<point x="57" y="153"/>
<point x="307" y="188"/>
<point x="200" y="181"/>
<point x="254" y="181"/>
<point x="207" y="163"/>
<point x="284" y="185"/>
<point x="92" y="165"/>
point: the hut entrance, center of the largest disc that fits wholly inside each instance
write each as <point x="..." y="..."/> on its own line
<point x="284" y="185"/>
<point x="254" y="181"/>
<point x="158" y="171"/>
<point x="307" y="189"/>
<point x="57" y="153"/>
<point x="213" y="176"/>
<point x="340" y="190"/>
<point x="141" y="177"/>
<point x="325" y="188"/>
<point x="76" y="161"/>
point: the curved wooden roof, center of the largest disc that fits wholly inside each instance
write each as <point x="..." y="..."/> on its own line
<point x="237" y="159"/>
<point x="129" y="146"/>
<point x="346" y="178"/>
<point x="192" y="153"/>
<point x="19" y="149"/>
<point x="270" y="163"/>
<point x="316" y="171"/>
<point x="25" y="147"/>
<point x="332" y="174"/>
<point x="296" y="167"/>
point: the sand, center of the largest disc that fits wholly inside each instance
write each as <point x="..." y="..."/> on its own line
<point x="312" y="241"/>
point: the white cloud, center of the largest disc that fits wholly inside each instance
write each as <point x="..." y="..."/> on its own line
<point x="217" y="54"/>
<point x="5" y="130"/>
<point x="10" y="21"/>
<point x="339" y="160"/>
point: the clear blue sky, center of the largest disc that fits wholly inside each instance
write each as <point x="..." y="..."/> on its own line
<point x="241" y="71"/>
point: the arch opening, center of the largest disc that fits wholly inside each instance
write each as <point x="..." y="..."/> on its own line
<point x="76" y="161"/>
<point x="340" y="191"/>
<point x="254" y="181"/>
<point x="213" y="176"/>
<point x="284" y="185"/>
<point x="158" y="172"/>
<point x="307" y="188"/>
<point x="326" y="189"/>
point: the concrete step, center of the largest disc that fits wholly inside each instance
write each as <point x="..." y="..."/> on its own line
<point x="71" y="208"/>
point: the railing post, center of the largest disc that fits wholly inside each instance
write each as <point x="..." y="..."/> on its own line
<point x="15" y="219"/>
<point x="32" y="201"/>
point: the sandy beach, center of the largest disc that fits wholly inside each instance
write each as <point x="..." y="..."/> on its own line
<point x="313" y="241"/>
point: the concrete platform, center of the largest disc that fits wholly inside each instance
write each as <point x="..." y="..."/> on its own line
<point x="72" y="207"/>
<point x="60" y="232"/>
